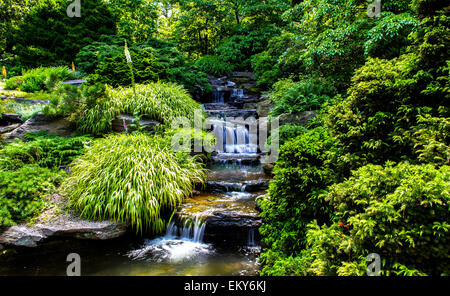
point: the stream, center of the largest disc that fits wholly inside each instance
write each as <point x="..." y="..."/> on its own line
<point x="213" y="233"/>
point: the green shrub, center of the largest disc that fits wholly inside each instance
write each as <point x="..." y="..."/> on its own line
<point x="136" y="179"/>
<point x="399" y="212"/>
<point x="115" y="71"/>
<point x="155" y="101"/>
<point x="390" y="36"/>
<point x="195" y="81"/>
<point x="47" y="36"/>
<point x="45" y="151"/>
<point x="153" y="60"/>
<point x="22" y="192"/>
<point x="287" y="132"/>
<point x="212" y="65"/>
<point x="302" y="172"/>
<point x="307" y="95"/>
<point x="40" y="79"/>
<point x="13" y="82"/>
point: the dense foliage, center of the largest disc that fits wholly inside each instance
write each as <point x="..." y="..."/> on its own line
<point x="370" y="174"/>
<point x="22" y="192"/>
<point x="40" y="79"/>
<point x="373" y="177"/>
<point x="132" y="178"/>
<point x="154" y="101"/>
<point x="47" y="36"/>
<point x="29" y="171"/>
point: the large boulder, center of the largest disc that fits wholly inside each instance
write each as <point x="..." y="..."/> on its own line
<point x="65" y="226"/>
<point x="56" y="222"/>
<point x="59" y="127"/>
<point x="300" y="118"/>
<point x="264" y="107"/>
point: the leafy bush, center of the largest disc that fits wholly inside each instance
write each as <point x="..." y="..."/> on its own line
<point x="281" y="59"/>
<point x="306" y="95"/>
<point x="301" y="173"/>
<point x="152" y="61"/>
<point x="399" y="211"/>
<point x="40" y="79"/>
<point x="155" y="101"/>
<point x="46" y="36"/>
<point x="136" y="179"/>
<point x="115" y="71"/>
<point x="13" y="82"/>
<point x="287" y="132"/>
<point x="195" y="81"/>
<point x="21" y="192"/>
<point x="390" y="35"/>
<point x="212" y="65"/>
<point x="45" y="151"/>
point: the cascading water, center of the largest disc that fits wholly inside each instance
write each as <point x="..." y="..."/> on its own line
<point x="183" y="241"/>
<point x="190" y="229"/>
<point x="235" y="137"/>
<point x="218" y="96"/>
<point x="237" y="93"/>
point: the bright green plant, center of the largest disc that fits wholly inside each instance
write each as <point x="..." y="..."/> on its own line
<point x="212" y="65"/>
<point x="397" y="211"/>
<point x="43" y="150"/>
<point x="40" y="79"/>
<point x="292" y="97"/>
<point x="13" y="82"/>
<point x="136" y="179"/>
<point x="22" y="192"/>
<point x="156" y="101"/>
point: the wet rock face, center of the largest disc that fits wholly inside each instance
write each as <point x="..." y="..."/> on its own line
<point x="66" y="226"/>
<point x="300" y="118"/>
<point x="247" y="186"/>
<point x="60" y="127"/>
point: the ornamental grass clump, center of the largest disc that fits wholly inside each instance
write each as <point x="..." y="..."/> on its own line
<point x="155" y="101"/>
<point x="136" y="179"/>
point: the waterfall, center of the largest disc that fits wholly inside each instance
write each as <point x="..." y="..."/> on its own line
<point x="235" y="138"/>
<point x="189" y="228"/>
<point x="238" y="93"/>
<point x="251" y="238"/>
<point x="218" y="96"/>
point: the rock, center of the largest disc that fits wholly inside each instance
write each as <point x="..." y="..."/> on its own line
<point x="247" y="186"/>
<point x="59" y="127"/>
<point x="21" y="100"/>
<point x="244" y="113"/>
<point x="296" y="118"/>
<point x="264" y="108"/>
<point x="255" y="185"/>
<point x="77" y="82"/>
<point x="52" y="225"/>
<point x="118" y="124"/>
<point x="68" y="226"/>
<point x="249" y="75"/>
<point x="268" y="168"/>
<point x="7" y="129"/>
<point x="11" y="118"/>
<point x="248" y="159"/>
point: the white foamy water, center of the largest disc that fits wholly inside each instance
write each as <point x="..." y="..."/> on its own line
<point x="183" y="241"/>
<point x="171" y="249"/>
